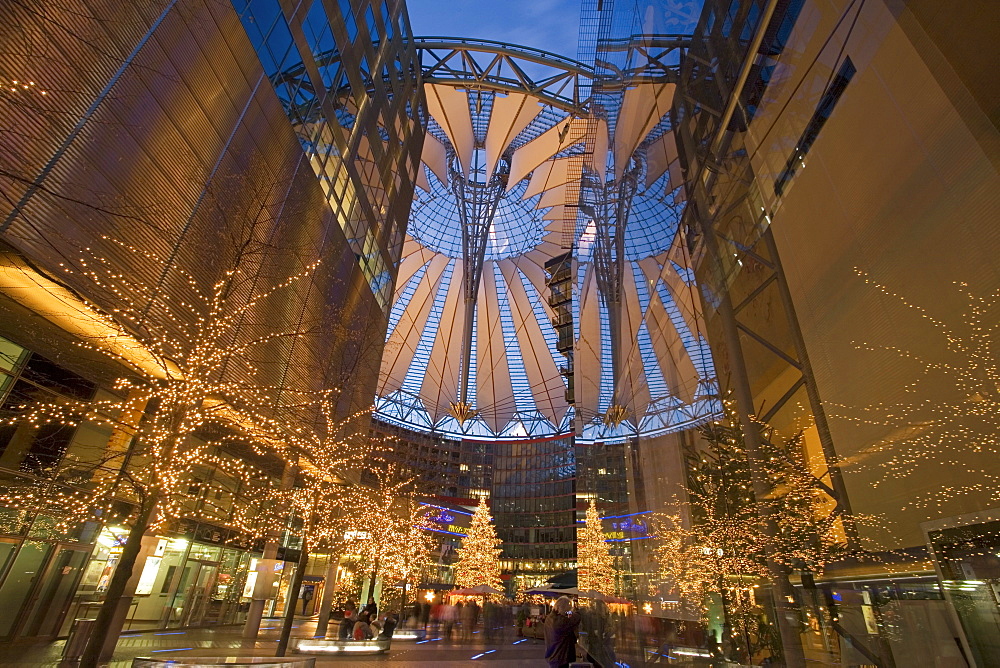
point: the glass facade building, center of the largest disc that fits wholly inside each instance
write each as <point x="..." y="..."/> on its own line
<point x="155" y="152"/>
<point x="335" y="75"/>
<point x="730" y="246"/>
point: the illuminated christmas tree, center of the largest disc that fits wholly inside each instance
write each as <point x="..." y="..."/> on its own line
<point x="479" y="557"/>
<point x="595" y="565"/>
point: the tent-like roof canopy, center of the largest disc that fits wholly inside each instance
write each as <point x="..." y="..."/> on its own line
<point x="472" y="348"/>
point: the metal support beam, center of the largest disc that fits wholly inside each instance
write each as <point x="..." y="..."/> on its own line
<point x="770" y="346"/>
<point x="789" y="393"/>
<point x="812" y="391"/>
<point x="478" y="199"/>
<point x="753" y="295"/>
<point x="564" y="83"/>
<point x="783" y="594"/>
<point x="610" y="204"/>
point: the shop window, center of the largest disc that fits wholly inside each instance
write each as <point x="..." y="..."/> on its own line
<point x="27" y="379"/>
<point x="47" y="449"/>
<point x="47" y="374"/>
<point x="168" y="580"/>
<point x="12" y="358"/>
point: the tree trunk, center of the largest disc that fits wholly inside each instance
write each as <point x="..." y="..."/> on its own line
<point x="291" y="602"/>
<point x="370" y="589"/>
<point x="104" y="625"/>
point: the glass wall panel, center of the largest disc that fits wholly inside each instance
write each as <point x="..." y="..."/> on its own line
<point x="19" y="582"/>
<point x="58" y="586"/>
<point x="159" y="580"/>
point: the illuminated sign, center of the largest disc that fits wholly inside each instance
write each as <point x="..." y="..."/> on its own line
<point x="356" y="535"/>
<point x="149" y="572"/>
<point x="626" y="527"/>
<point x="448" y="520"/>
<point x="161" y="547"/>
<point x="251" y="582"/>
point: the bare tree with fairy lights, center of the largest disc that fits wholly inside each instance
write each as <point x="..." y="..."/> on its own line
<point x="948" y="415"/>
<point x="715" y="545"/>
<point x="192" y="357"/>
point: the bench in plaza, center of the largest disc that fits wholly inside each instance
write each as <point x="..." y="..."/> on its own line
<point x="335" y="646"/>
<point x="409" y="634"/>
<point x="228" y="661"/>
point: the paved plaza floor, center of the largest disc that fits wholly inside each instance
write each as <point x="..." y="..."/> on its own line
<point x="226" y="641"/>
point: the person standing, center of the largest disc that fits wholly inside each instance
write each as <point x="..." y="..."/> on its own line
<point x="449" y="614"/>
<point x="490" y="620"/>
<point x="306" y="594"/>
<point x="425" y="615"/>
<point x="560" y="634"/>
<point x="413" y="618"/>
<point x="468" y="615"/>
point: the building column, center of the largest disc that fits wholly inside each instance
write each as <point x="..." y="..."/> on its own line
<point x="326" y="604"/>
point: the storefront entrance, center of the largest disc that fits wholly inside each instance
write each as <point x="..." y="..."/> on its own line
<point x="190" y="584"/>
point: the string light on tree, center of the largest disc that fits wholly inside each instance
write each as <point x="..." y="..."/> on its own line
<point x="191" y="372"/>
<point x="954" y="414"/>
<point x="724" y="538"/>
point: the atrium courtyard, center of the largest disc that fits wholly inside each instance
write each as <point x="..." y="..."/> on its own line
<point x="380" y="332"/>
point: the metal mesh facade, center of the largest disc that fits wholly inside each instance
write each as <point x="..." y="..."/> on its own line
<point x="163" y="140"/>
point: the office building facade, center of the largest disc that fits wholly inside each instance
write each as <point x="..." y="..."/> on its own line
<point x="155" y="152"/>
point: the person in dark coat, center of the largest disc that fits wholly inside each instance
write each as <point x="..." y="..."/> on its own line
<point x="388" y="627"/>
<point x="560" y="634"/>
<point x="306" y="595"/>
<point x="371" y="608"/>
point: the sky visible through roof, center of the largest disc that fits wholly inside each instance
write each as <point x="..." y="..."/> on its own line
<point x="550" y="25"/>
<point x="515" y="379"/>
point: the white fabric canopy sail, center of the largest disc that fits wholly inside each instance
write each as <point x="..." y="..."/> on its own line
<point x="516" y="384"/>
